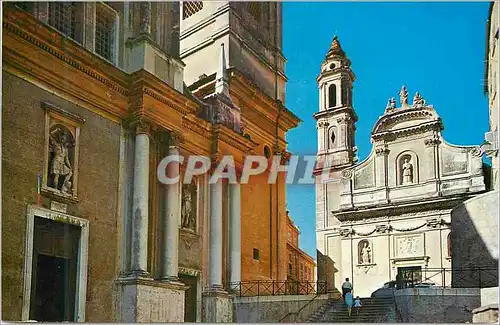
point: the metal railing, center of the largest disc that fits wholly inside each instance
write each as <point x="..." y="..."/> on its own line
<point x="473" y="277"/>
<point x="276" y="288"/>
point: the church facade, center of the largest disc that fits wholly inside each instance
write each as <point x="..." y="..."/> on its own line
<point x="389" y="214"/>
<point x="94" y="96"/>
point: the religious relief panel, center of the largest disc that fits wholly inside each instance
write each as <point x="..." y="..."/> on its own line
<point x="409" y="246"/>
<point x="189" y="206"/>
<point x="61" y="151"/>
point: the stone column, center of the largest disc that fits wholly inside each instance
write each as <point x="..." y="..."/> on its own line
<point x="235" y="232"/>
<point x="172" y="216"/>
<point x="140" y="207"/>
<point x="215" y="252"/>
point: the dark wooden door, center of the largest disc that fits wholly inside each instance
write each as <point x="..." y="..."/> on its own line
<point x="191" y="294"/>
<point x="53" y="283"/>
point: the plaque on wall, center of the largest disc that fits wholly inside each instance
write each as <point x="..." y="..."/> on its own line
<point x="59" y="207"/>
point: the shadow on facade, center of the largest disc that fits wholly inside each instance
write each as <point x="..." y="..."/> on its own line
<point x="474" y="242"/>
<point x="326" y="270"/>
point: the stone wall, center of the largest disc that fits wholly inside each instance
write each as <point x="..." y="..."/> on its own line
<point x="271" y="309"/>
<point x="23" y="143"/>
<point x="436" y="305"/>
<point x="217" y="307"/>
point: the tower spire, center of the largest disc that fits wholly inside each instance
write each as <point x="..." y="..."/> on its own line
<point x="335" y="49"/>
<point x="221" y="82"/>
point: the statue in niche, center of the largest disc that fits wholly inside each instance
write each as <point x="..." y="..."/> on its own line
<point x="403" y="95"/>
<point x="188" y="211"/>
<point x="60" y="165"/>
<point x="407" y="172"/>
<point x="366" y="253"/>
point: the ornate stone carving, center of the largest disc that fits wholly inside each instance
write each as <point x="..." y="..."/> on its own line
<point x="382" y="151"/>
<point x="142" y="128"/>
<point x="391" y="105"/>
<point x="343" y="119"/>
<point x="408" y="246"/>
<point x="382" y="229"/>
<point x="346" y="232"/>
<point x="403" y="97"/>
<point x="432" y="142"/>
<point x="418" y="100"/>
<point x="188" y="210"/>
<point x="176" y="139"/>
<point x="476" y="152"/>
<point x="61" y="170"/>
<point x="347" y="173"/>
<point x="433" y="222"/>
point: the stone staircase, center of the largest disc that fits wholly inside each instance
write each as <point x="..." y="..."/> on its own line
<point x="373" y="310"/>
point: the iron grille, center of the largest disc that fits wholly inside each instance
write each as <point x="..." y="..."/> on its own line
<point x="189" y="8"/>
<point x="63" y="16"/>
<point x="105" y="32"/>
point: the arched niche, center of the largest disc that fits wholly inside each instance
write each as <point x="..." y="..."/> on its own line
<point x="61" y="157"/>
<point x="407" y="168"/>
<point x="365" y="252"/>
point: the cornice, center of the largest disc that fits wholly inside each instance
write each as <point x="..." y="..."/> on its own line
<point x="235" y="140"/>
<point x="249" y="89"/>
<point x="31" y="30"/>
<point x="381" y="127"/>
<point x="29" y="46"/>
<point x="336" y="111"/>
<point x="395" y="209"/>
<point x="197" y="125"/>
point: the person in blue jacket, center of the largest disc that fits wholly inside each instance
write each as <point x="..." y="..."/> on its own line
<point x="349" y="302"/>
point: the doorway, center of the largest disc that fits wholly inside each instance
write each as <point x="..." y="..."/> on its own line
<point x="53" y="281"/>
<point x="190" y="297"/>
<point x="409" y="276"/>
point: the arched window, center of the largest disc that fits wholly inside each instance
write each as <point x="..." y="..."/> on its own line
<point x="332" y="96"/>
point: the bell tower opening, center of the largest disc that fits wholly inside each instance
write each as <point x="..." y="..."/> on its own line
<point x="332" y="96"/>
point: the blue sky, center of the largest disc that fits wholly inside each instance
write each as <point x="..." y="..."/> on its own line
<point x="434" y="48"/>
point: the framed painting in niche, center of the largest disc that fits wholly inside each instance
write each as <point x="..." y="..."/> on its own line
<point x="62" y="139"/>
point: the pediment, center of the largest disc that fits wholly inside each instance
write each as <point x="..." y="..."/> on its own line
<point x="407" y="120"/>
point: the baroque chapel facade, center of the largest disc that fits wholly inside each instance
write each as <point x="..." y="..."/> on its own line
<point x="95" y="94"/>
<point x="389" y="214"/>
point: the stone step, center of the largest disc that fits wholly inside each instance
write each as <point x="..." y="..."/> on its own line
<point x="372" y="310"/>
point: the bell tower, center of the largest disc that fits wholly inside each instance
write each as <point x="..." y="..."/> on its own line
<point x="336" y="117"/>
